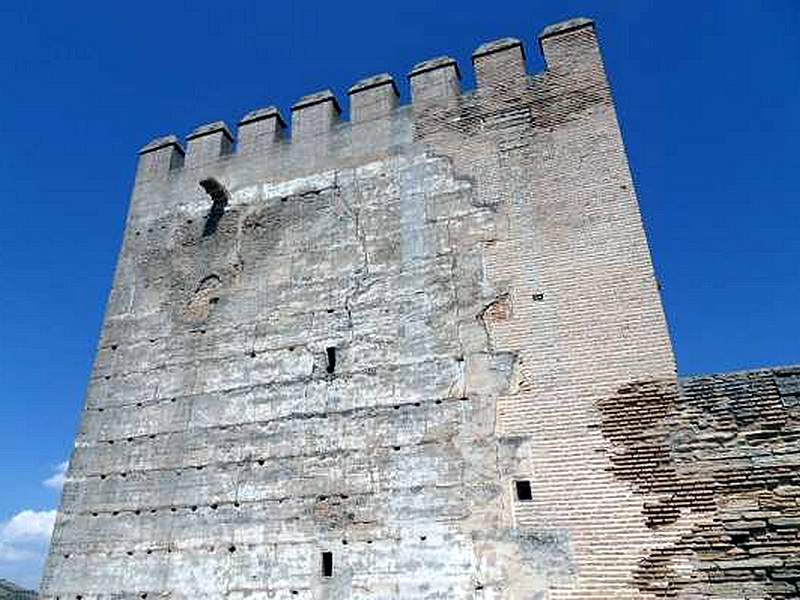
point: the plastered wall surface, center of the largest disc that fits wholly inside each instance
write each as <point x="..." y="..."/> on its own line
<point x="357" y="339"/>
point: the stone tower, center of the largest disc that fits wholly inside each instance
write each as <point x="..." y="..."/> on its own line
<point x="383" y="358"/>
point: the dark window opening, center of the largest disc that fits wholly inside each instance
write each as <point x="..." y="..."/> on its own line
<point x="524" y="493"/>
<point x="331" y="353"/>
<point x="327" y="564"/>
<point x="219" y="200"/>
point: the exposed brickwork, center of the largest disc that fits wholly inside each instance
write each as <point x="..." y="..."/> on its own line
<point x="718" y="463"/>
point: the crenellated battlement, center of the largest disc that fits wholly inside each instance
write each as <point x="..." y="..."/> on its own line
<point x="499" y="67"/>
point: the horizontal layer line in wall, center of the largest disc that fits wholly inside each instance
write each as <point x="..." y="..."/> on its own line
<point x="183" y="508"/>
<point x="262" y="461"/>
<point x="374" y="410"/>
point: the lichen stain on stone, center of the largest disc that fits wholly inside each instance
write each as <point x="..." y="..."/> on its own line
<point x="523" y="564"/>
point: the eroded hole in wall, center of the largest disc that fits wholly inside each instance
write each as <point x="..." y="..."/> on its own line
<point x="523" y="489"/>
<point x="497" y="310"/>
<point x="205" y="297"/>
<point x="330" y="353"/>
<point x="219" y="200"/>
<point x="327" y="564"/>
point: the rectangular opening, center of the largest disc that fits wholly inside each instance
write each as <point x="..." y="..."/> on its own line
<point x="331" y="352"/>
<point x="524" y="493"/>
<point x="327" y="564"/>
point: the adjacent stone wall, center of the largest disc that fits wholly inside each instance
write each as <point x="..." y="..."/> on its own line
<point x="359" y="338"/>
<point x="717" y="462"/>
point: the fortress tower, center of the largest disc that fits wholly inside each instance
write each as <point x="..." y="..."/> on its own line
<point x="416" y="354"/>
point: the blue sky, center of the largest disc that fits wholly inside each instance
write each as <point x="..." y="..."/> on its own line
<point x="707" y="93"/>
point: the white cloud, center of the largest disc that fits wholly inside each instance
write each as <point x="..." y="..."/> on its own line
<point x="23" y="545"/>
<point x="56" y="481"/>
<point x="24" y="538"/>
<point x="13" y="554"/>
<point x="29" y="525"/>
